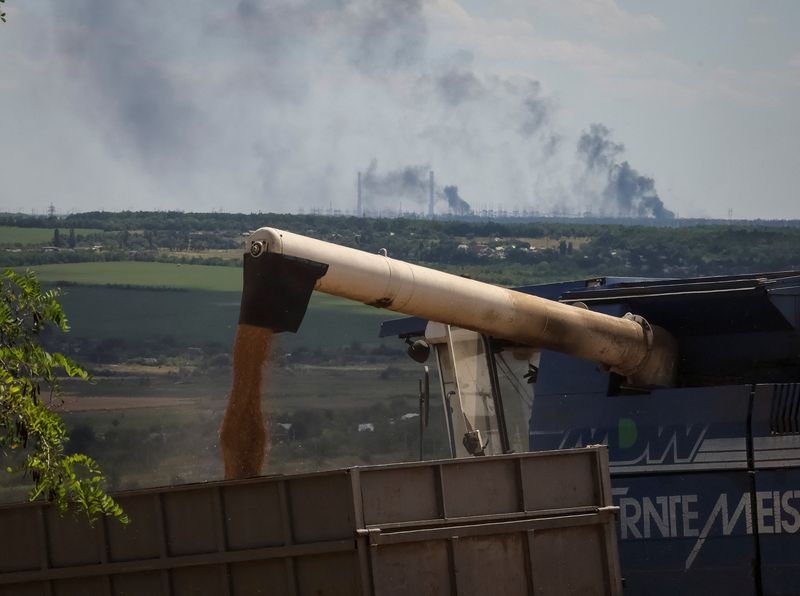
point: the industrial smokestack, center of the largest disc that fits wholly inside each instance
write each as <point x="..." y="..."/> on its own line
<point x="359" y="205"/>
<point x="430" y="196"/>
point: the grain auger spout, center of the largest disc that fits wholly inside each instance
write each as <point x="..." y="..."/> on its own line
<point x="281" y="269"/>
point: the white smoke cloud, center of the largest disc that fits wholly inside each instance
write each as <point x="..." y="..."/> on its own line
<point x="274" y="105"/>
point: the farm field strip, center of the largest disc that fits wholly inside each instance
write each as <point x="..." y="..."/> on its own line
<point x="144" y="274"/>
<point x="73" y="403"/>
<point x="11" y="235"/>
<point x="174" y="276"/>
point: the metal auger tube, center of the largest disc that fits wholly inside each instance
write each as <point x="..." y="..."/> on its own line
<point x="629" y="345"/>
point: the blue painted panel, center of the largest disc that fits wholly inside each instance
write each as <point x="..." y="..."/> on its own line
<point x="679" y="473"/>
<point x="667" y="430"/>
<point x="777" y="517"/>
<point x="776" y="455"/>
<point x="686" y="534"/>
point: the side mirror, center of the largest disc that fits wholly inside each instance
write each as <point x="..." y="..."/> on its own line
<point x="419" y="350"/>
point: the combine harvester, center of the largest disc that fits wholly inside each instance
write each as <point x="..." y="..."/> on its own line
<point x="693" y="395"/>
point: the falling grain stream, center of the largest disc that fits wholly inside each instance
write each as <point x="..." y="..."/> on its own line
<point x="243" y="436"/>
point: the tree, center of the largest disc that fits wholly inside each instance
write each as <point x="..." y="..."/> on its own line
<point x="2" y="14"/>
<point x="25" y="422"/>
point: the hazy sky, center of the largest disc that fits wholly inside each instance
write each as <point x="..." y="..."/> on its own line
<point x="609" y="106"/>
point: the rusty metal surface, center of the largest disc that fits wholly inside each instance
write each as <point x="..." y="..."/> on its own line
<point x="519" y="524"/>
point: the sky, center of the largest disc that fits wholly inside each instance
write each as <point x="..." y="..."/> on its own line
<point x="609" y="107"/>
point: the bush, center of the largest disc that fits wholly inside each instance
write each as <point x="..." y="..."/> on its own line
<point x="66" y="479"/>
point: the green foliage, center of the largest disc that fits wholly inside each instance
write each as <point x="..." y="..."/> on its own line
<point x="26" y="422"/>
<point x="2" y="14"/>
<point x="118" y="246"/>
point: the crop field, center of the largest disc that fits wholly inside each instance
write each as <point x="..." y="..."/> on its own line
<point x="11" y="235"/>
<point x="232" y="255"/>
<point x="197" y="316"/>
<point x="174" y="276"/>
<point x="139" y="273"/>
<point x="191" y="303"/>
<point x="74" y="403"/>
<point x="136" y="314"/>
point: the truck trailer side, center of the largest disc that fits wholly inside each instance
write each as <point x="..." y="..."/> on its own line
<point x="531" y="523"/>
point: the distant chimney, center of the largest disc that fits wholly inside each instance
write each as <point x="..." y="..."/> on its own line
<point x="359" y="205"/>
<point x="430" y="197"/>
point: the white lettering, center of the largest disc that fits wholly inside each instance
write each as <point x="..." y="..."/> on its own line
<point x="628" y="521"/>
<point x="763" y="511"/>
<point x="678" y="516"/>
<point x="791" y="511"/>
<point x="673" y="515"/>
<point x="729" y="523"/>
<point x="660" y="518"/>
<point x="688" y="515"/>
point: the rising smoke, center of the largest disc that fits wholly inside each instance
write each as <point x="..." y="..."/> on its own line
<point x="261" y="105"/>
<point x="409" y="186"/>
<point x="129" y="88"/>
<point x="455" y="203"/>
<point x="382" y="190"/>
<point x="623" y="191"/>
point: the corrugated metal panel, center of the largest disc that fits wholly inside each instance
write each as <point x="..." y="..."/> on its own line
<point x="529" y="523"/>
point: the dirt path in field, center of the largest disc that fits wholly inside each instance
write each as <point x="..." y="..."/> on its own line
<point x="72" y="403"/>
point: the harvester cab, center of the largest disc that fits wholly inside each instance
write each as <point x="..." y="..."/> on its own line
<point x="485" y="390"/>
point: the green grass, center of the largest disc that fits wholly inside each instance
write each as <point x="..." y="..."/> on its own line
<point x="139" y="273"/>
<point x="10" y="235"/>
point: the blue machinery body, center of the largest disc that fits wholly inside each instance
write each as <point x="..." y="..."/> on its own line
<point x="693" y="384"/>
<point x="706" y="473"/>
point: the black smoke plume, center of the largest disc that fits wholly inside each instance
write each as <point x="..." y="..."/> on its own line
<point x="381" y="189"/>
<point x="626" y="192"/>
<point x="455" y="203"/>
<point x="384" y="191"/>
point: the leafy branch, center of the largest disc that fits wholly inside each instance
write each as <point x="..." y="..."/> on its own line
<point x="2" y="14"/>
<point x="25" y="422"/>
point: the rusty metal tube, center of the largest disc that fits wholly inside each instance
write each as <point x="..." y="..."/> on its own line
<point x="627" y="346"/>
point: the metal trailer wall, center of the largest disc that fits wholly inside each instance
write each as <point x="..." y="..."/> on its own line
<point x="532" y="523"/>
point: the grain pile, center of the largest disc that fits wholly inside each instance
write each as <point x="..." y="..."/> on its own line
<point x="243" y="435"/>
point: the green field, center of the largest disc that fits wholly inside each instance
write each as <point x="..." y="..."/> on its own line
<point x="140" y="273"/>
<point x="174" y="276"/>
<point x="10" y="235"/>
<point x="196" y="316"/>
<point x="191" y="303"/>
